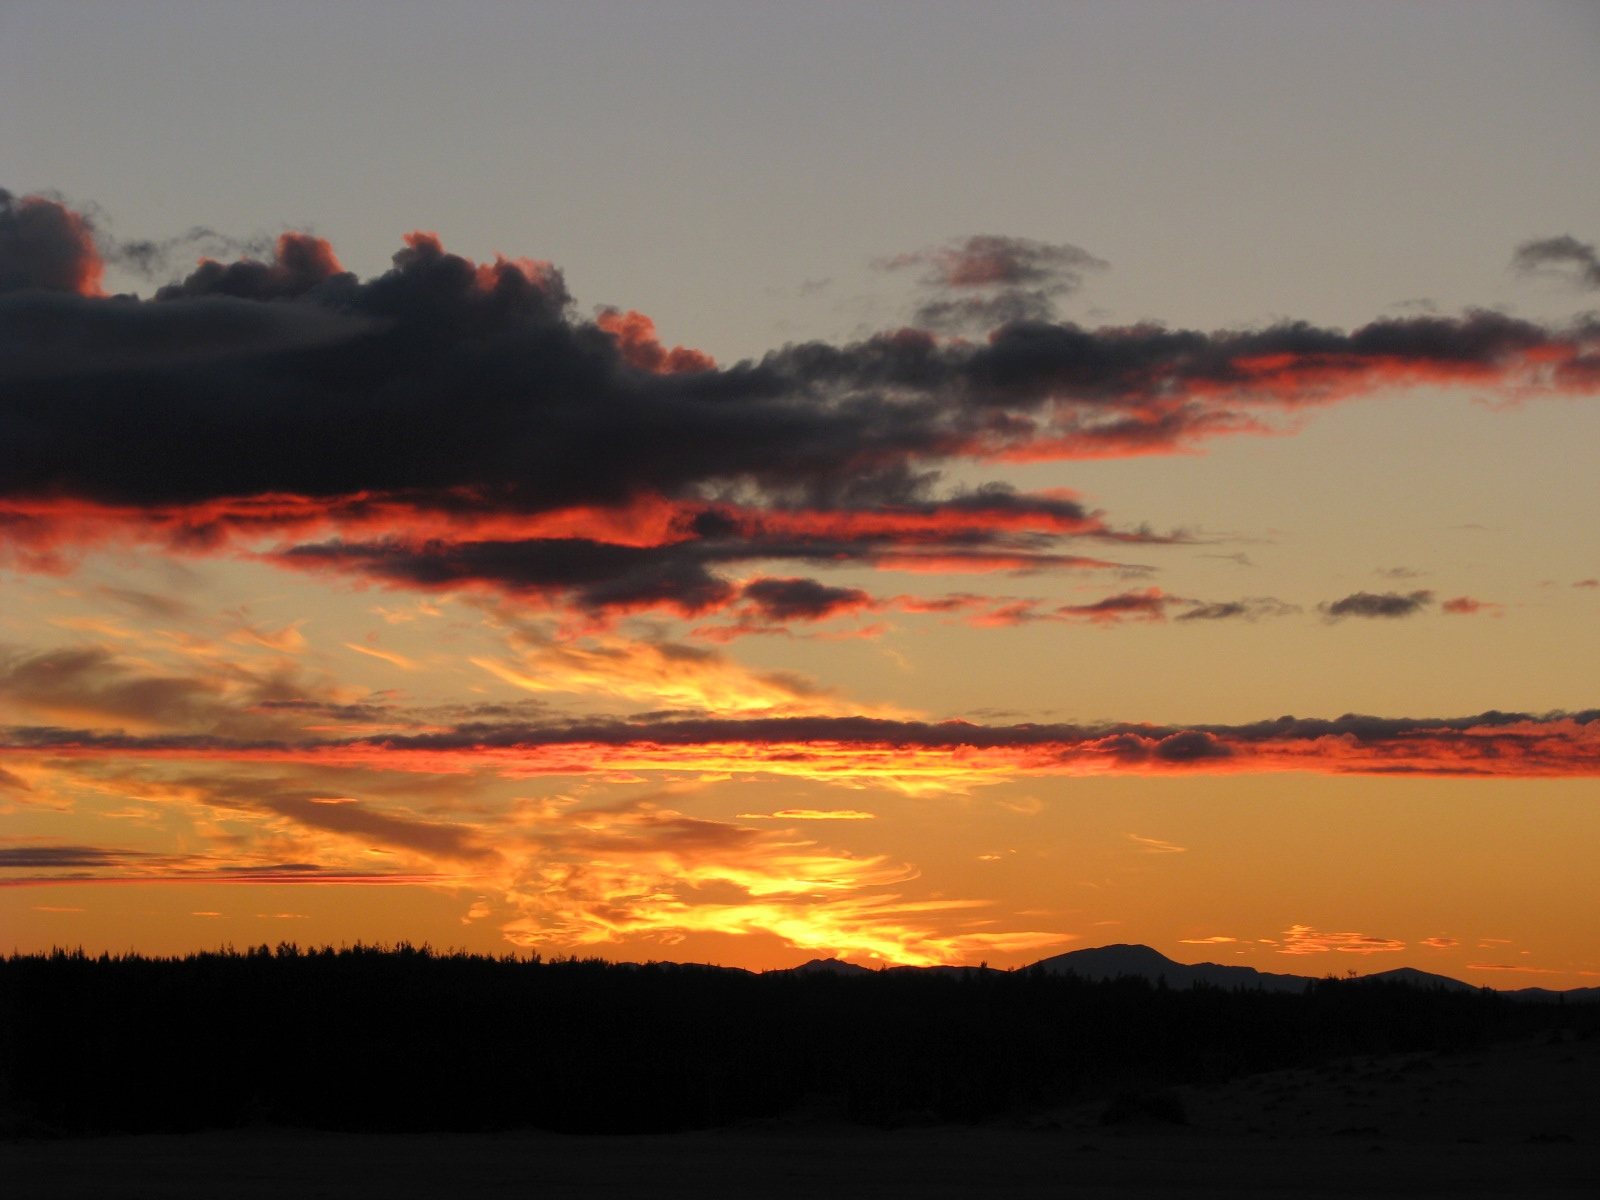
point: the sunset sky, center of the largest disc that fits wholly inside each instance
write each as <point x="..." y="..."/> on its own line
<point x="912" y="482"/>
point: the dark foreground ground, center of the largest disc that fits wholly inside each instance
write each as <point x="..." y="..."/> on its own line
<point x="1515" y="1119"/>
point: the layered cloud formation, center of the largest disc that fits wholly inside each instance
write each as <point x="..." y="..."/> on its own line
<point x="453" y="429"/>
<point x="453" y="421"/>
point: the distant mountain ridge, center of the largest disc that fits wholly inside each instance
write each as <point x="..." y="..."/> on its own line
<point x="1125" y="961"/>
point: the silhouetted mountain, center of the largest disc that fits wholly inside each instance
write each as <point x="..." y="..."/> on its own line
<point x="826" y="966"/>
<point x="1125" y="961"/>
<point x="1416" y="978"/>
<point x="1587" y="995"/>
<point x="1141" y="962"/>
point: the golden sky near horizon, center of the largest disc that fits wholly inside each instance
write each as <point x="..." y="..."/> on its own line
<point x="975" y="607"/>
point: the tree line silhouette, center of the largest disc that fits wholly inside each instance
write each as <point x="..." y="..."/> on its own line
<point x="408" y="1039"/>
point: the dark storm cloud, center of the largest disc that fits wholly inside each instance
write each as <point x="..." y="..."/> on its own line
<point x="466" y="385"/>
<point x="264" y="393"/>
<point x="301" y="263"/>
<point x="1564" y="255"/>
<point x="684" y="576"/>
<point x="596" y="574"/>
<point x="800" y="599"/>
<point x="1375" y="604"/>
<point x="45" y="246"/>
<point x="51" y="858"/>
<point x="1192" y="745"/>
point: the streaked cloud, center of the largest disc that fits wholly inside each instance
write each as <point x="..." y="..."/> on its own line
<point x="1303" y="939"/>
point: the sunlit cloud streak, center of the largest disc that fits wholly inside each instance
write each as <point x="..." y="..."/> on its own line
<point x="661" y="674"/>
<point x="909" y="755"/>
<point x="640" y="870"/>
<point x="1303" y="939"/>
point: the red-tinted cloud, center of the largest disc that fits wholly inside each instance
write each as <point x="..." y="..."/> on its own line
<point x="910" y="753"/>
<point x="46" y="246"/>
<point x="453" y="424"/>
<point x="636" y="340"/>
<point x="1468" y="606"/>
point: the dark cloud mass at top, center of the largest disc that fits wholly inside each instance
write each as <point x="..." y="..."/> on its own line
<point x="475" y="382"/>
<point x="472" y="391"/>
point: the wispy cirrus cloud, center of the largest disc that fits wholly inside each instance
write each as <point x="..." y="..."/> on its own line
<point x="1566" y="256"/>
<point x="988" y="280"/>
<point x="1304" y="939"/>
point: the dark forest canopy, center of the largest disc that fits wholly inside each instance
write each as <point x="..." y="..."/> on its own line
<point x="405" y="1038"/>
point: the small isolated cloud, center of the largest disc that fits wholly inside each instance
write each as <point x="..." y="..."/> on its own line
<point x="1251" y="608"/>
<point x="1399" y="573"/>
<point x="1566" y="256"/>
<point x="1587" y="583"/>
<point x="989" y="280"/>
<point x="811" y="814"/>
<point x="1148" y="605"/>
<point x="1440" y="943"/>
<point x="1377" y="604"/>
<point x="388" y="656"/>
<point x="1303" y="939"/>
<point x="1152" y="845"/>
<point x="1214" y="940"/>
<point x="1470" y="606"/>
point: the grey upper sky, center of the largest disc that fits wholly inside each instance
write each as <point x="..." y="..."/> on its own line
<point x="702" y="162"/>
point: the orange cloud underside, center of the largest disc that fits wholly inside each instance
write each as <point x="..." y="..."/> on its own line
<point x="1559" y="748"/>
